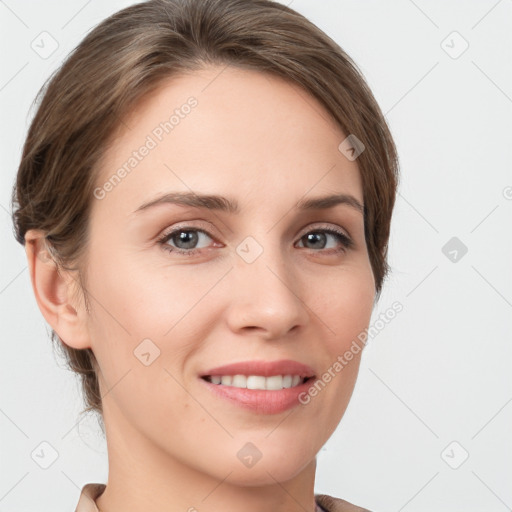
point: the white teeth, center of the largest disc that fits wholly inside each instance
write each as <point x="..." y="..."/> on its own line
<point x="287" y="381"/>
<point x="254" y="382"/>
<point x="239" y="381"/>
<point x="226" y="380"/>
<point x="275" y="382"/>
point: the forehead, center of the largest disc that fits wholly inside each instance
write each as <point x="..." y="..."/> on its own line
<point x="224" y="129"/>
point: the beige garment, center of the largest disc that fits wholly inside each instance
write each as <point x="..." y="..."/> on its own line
<point x="91" y="491"/>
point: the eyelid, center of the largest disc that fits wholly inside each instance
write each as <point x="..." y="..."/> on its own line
<point x="324" y="225"/>
<point x="187" y="225"/>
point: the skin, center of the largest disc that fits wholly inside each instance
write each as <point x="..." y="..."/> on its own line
<point x="172" y="444"/>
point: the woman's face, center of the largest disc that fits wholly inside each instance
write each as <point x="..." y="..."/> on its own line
<point x="245" y="285"/>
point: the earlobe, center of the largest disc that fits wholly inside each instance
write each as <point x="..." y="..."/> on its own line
<point x="53" y="289"/>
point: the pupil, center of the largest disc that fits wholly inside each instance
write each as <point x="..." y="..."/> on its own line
<point x="188" y="237"/>
<point x="316" y="236"/>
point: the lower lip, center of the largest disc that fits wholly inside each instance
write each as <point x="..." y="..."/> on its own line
<point x="261" y="400"/>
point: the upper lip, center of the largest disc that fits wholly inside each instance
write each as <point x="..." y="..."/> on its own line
<point x="263" y="368"/>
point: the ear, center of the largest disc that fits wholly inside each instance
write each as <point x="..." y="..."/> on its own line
<point x="54" y="292"/>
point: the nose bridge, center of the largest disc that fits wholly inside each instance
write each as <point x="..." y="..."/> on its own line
<point x="267" y="293"/>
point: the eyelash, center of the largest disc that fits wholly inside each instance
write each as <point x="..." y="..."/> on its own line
<point x="346" y="242"/>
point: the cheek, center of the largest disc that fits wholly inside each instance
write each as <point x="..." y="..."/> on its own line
<point x="144" y="323"/>
<point x="161" y="309"/>
<point x="344" y="309"/>
<point x="344" y="303"/>
<point x="146" y="297"/>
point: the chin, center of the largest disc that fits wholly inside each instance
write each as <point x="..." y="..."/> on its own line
<point x="269" y="462"/>
<point x="264" y="475"/>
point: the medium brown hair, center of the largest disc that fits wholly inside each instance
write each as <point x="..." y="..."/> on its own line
<point x="129" y="55"/>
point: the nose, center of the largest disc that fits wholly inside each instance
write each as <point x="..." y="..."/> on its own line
<point x="266" y="297"/>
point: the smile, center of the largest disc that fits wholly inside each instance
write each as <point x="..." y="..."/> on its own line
<point x="272" y="383"/>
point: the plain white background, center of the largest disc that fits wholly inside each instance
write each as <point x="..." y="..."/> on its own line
<point x="429" y="424"/>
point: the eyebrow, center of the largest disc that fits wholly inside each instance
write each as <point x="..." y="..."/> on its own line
<point x="224" y="204"/>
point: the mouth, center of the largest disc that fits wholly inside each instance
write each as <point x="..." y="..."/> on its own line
<point x="265" y="383"/>
<point x="263" y="387"/>
<point x="259" y="394"/>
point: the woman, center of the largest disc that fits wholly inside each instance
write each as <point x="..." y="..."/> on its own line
<point x="205" y="196"/>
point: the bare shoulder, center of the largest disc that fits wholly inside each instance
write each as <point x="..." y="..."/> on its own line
<point x="332" y="504"/>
